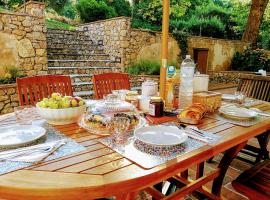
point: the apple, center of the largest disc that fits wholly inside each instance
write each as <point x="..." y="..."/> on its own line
<point x="81" y="103"/>
<point x="74" y="102"/>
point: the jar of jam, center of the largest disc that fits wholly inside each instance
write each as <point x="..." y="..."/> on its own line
<point x="156" y="107"/>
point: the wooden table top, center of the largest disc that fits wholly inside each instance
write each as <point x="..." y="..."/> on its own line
<point x="98" y="171"/>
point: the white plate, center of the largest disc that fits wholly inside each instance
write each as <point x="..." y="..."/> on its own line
<point x="237" y="112"/>
<point x="229" y="97"/>
<point x="20" y="135"/>
<point x="161" y="135"/>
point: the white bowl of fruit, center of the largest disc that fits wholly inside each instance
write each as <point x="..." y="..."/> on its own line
<point x="59" y="110"/>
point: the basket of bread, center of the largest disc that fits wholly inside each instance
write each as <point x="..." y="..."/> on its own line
<point x="192" y="114"/>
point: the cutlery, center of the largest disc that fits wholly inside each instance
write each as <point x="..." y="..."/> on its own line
<point x="196" y="131"/>
<point x="260" y="112"/>
<point x="192" y="134"/>
<point x="26" y="151"/>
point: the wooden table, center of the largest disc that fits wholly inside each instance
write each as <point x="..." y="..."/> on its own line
<point x="100" y="172"/>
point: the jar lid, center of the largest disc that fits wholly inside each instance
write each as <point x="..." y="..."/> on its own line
<point x="156" y="99"/>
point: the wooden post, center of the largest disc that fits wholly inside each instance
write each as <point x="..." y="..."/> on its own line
<point x="164" y="47"/>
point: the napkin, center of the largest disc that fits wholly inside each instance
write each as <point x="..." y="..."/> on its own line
<point x="32" y="154"/>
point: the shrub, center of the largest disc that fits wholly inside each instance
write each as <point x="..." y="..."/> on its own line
<point x="145" y="67"/>
<point x="92" y="10"/>
<point x="10" y="75"/>
<point x="251" y="60"/>
<point x="69" y="11"/>
<point x="122" y="7"/>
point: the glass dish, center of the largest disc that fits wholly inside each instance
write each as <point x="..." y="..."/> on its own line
<point x="102" y="124"/>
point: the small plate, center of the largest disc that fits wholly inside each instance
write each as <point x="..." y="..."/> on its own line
<point x="17" y="136"/>
<point x="161" y="135"/>
<point x="237" y="113"/>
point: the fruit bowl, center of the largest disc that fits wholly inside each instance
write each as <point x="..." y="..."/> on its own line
<point x="61" y="116"/>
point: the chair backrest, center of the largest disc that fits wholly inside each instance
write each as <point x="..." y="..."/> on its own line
<point x="33" y="89"/>
<point x="255" y="86"/>
<point x="107" y="82"/>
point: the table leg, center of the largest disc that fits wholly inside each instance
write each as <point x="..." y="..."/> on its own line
<point x="263" y="140"/>
<point x="224" y="165"/>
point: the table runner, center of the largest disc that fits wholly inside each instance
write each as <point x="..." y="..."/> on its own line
<point x="52" y="135"/>
<point x="147" y="160"/>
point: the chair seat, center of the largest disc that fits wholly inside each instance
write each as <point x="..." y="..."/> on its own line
<point x="255" y="182"/>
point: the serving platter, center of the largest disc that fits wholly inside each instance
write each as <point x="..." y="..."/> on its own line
<point x="238" y="113"/>
<point x="160" y="135"/>
<point x="105" y="131"/>
<point x="20" y="135"/>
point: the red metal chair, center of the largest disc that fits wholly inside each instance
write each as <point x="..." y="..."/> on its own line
<point x="33" y="89"/>
<point x="107" y="82"/>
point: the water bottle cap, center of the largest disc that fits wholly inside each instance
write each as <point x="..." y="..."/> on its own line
<point x="188" y="57"/>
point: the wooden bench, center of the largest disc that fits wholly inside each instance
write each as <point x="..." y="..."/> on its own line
<point x="255" y="182"/>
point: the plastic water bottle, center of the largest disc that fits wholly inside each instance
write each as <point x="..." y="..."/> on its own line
<point x="186" y="82"/>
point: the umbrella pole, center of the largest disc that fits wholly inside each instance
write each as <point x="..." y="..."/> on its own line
<point x="164" y="46"/>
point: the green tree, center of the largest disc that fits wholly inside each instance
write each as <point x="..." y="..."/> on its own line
<point x="254" y="21"/>
<point x="92" y="10"/>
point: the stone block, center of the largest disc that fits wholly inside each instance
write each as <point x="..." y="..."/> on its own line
<point x="11" y="91"/>
<point x="14" y="97"/>
<point x="39" y="36"/>
<point x="27" y="23"/>
<point x="3" y="98"/>
<point x="40" y="52"/>
<point x="41" y="60"/>
<point x="25" y="48"/>
<point x="38" y="28"/>
<point x="18" y="32"/>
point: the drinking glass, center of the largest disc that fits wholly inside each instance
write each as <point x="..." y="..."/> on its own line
<point x="119" y="127"/>
<point x="240" y="97"/>
<point x="25" y="114"/>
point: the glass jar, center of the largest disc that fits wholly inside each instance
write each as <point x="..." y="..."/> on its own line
<point x="156" y="107"/>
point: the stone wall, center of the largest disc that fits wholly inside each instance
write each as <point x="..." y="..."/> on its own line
<point x="131" y="45"/>
<point x="114" y="34"/>
<point x="8" y="98"/>
<point x="146" y="45"/>
<point x="23" y="41"/>
<point x="220" y="51"/>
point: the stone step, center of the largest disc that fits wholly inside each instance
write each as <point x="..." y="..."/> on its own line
<point x="82" y="86"/>
<point x="84" y="94"/>
<point x="82" y="70"/>
<point x="75" y="51"/>
<point x="77" y="56"/>
<point x="78" y="78"/>
<point x="74" y="46"/>
<point x="61" y="31"/>
<point x="81" y="63"/>
<point x="71" y="41"/>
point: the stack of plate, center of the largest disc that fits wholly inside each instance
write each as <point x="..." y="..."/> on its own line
<point x="160" y="140"/>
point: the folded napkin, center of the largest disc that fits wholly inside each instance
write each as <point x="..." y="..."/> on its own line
<point x="32" y="154"/>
